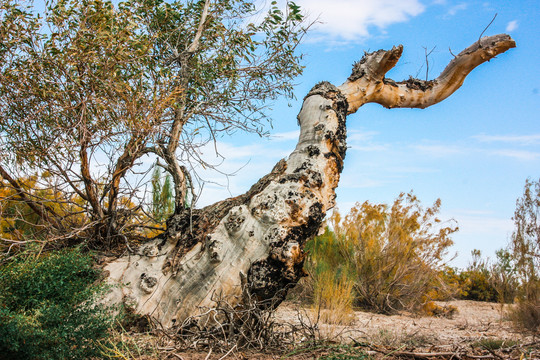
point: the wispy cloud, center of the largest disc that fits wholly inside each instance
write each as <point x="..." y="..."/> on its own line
<point x="437" y="150"/>
<point x="512" y="25"/>
<point x="364" y="141"/>
<point x="522" y="155"/>
<point x="454" y="9"/>
<point x="351" y="20"/>
<point x="516" y="139"/>
<point x="356" y="135"/>
<point x="286" y="136"/>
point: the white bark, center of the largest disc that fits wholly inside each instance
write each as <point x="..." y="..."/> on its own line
<point x="256" y="239"/>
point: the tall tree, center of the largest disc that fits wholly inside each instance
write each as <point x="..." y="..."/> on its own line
<point x="91" y="87"/>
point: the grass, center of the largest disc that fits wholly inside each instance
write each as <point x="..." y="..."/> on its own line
<point x="494" y="344"/>
<point x="395" y="339"/>
<point x="333" y="300"/>
<point x="330" y="352"/>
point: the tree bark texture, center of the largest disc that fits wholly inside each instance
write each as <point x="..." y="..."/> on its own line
<point x="255" y="240"/>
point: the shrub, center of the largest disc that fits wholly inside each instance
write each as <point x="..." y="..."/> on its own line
<point x="48" y="308"/>
<point x="526" y="315"/>
<point x="483" y="280"/>
<point x="335" y="297"/>
<point x="430" y="308"/>
<point x="396" y="252"/>
<point x="525" y="252"/>
<point x="475" y="280"/>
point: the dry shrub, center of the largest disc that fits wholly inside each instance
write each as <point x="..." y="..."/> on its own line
<point x="334" y="299"/>
<point x="239" y="322"/>
<point x="526" y="315"/>
<point x="525" y="250"/>
<point x="396" y="252"/>
<point x="431" y="308"/>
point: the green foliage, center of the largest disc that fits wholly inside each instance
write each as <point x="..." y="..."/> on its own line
<point x="162" y="196"/>
<point x="344" y="352"/>
<point x="525" y="244"/>
<point x="330" y="282"/>
<point x="475" y="281"/>
<point x="48" y="309"/>
<point x="86" y="78"/>
<point x="483" y="280"/>
<point x="494" y="344"/>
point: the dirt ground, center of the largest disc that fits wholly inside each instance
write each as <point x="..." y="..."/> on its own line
<point x="473" y="321"/>
<point x="478" y="330"/>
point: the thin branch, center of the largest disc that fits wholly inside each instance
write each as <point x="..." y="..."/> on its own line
<point x="195" y="44"/>
<point x="486" y="28"/>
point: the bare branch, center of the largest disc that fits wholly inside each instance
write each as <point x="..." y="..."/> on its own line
<point x="487" y="27"/>
<point x="195" y="44"/>
<point x="367" y="82"/>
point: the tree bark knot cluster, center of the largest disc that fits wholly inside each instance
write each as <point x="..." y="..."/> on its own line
<point x="253" y="242"/>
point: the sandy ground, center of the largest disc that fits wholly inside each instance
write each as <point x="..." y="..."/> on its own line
<point x="472" y="322"/>
<point x="385" y="337"/>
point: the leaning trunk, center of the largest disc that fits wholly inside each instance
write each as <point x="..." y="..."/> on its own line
<point x="254" y="241"/>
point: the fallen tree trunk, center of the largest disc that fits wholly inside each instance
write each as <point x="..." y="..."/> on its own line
<point x="254" y="241"/>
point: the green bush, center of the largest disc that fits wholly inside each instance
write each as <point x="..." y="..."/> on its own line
<point x="485" y="281"/>
<point x="48" y="308"/>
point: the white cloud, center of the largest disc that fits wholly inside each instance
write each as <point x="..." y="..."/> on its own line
<point x="522" y="155"/>
<point x="512" y="25"/>
<point x="454" y="9"/>
<point x="351" y="20"/>
<point x="518" y="139"/>
<point x="488" y="233"/>
<point x="439" y="150"/>
<point x="286" y="136"/>
<point x="364" y="141"/>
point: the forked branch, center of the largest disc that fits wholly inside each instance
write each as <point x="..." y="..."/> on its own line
<point x="368" y="84"/>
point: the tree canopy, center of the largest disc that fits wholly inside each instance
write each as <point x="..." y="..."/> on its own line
<point x="87" y="88"/>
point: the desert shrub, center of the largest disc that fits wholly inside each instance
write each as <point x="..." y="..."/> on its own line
<point x="475" y="280"/>
<point x="482" y="280"/>
<point x="494" y="344"/>
<point x="503" y="277"/>
<point x="526" y="315"/>
<point x="451" y="285"/>
<point x="430" y="308"/>
<point x="47" y="307"/>
<point x="334" y="299"/>
<point x="525" y="252"/>
<point x="396" y="252"/>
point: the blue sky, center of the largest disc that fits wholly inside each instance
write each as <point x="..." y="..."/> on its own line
<point x="474" y="150"/>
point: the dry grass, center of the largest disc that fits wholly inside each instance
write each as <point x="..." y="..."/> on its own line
<point x="526" y="316"/>
<point x="333" y="299"/>
<point x="399" y="339"/>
